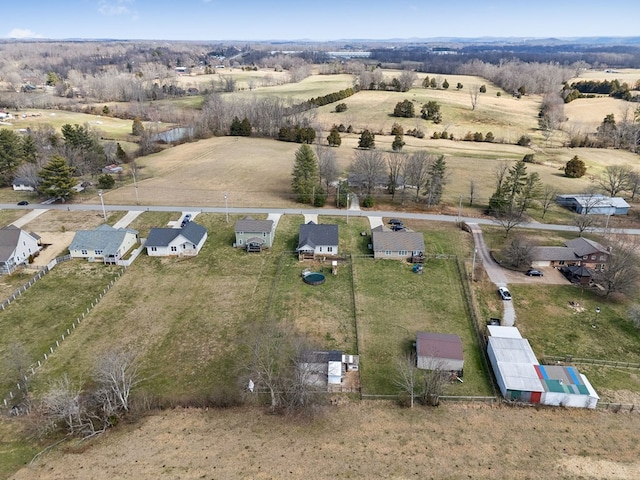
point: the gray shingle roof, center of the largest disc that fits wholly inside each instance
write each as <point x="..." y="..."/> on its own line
<point x="397" y="241"/>
<point x="9" y="236"/>
<point x="552" y="254"/>
<point x="105" y="238"/>
<point x="323" y="234"/>
<point x="162" y="237"/>
<point x="583" y="246"/>
<point x="251" y="225"/>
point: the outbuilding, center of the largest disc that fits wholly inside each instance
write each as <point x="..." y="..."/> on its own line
<point x="441" y="351"/>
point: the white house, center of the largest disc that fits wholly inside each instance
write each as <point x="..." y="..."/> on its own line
<point x="166" y="242"/>
<point x="105" y="243"/>
<point x="16" y="246"/>
<point x="317" y="239"/>
<point x="24" y="184"/>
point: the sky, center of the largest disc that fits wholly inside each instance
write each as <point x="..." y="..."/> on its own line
<point x="254" y="20"/>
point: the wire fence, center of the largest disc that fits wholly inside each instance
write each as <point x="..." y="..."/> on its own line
<point x="570" y="359"/>
<point x="8" y="401"/>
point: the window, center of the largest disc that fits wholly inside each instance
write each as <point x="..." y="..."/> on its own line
<point x="154" y="249"/>
<point x="320" y="249"/>
<point x="84" y="252"/>
<point x="98" y="252"/>
<point x="403" y="253"/>
<point x="387" y="253"/>
<point x="603" y="258"/>
<point x="593" y="257"/>
<point x="561" y="262"/>
<point x="174" y="248"/>
<point x="264" y="234"/>
<point x="329" y="249"/>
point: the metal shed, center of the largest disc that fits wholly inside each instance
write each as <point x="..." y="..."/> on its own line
<point x="439" y="350"/>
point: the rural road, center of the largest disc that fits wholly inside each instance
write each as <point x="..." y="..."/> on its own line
<point x="494" y="271"/>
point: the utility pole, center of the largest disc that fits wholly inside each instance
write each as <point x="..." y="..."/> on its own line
<point x="226" y="206"/>
<point x="104" y="212"/>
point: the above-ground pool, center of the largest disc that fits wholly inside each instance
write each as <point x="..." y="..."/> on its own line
<point x="314" y="278"/>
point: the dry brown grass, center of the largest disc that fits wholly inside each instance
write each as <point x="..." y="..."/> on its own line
<point x="366" y="440"/>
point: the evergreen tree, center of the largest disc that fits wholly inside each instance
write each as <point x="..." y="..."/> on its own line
<point x="398" y="143"/>
<point x="367" y="140"/>
<point x="516" y="193"/>
<point x="404" y="109"/>
<point x="137" y="128"/>
<point x="10" y="155"/>
<point x="29" y="149"/>
<point x="575" y="168"/>
<point x="106" y="181"/>
<point x="57" y="178"/>
<point x="236" y="127"/>
<point x="483" y="89"/>
<point x="436" y="180"/>
<point x="245" y="127"/>
<point x="305" y="175"/>
<point x="334" y="138"/>
<point x="445" y="84"/>
<point x="121" y="155"/>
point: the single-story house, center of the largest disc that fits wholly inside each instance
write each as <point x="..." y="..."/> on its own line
<point x="24" y="184"/>
<point x="357" y="180"/>
<point x="594" y="204"/>
<point x="16" y="246"/>
<point x="166" y="242"/>
<point x="112" y="169"/>
<point x="317" y="239"/>
<point x="401" y="245"/>
<point x="105" y="243"/>
<point x="254" y="235"/>
<point x="579" y="251"/>
<point x="440" y="351"/>
<point x="521" y="378"/>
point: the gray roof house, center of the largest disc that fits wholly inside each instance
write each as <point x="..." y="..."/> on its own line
<point x="167" y="242"/>
<point x="254" y="235"/>
<point x="16" y="246"/>
<point x="317" y="239"/>
<point x="401" y="245"/>
<point x="24" y="184"/>
<point x="105" y="243"/>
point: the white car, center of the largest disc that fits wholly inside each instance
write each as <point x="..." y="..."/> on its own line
<point x="504" y="293"/>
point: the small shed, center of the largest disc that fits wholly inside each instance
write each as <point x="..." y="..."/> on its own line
<point x="439" y="351"/>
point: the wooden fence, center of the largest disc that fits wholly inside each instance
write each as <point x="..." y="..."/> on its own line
<point x="570" y="359"/>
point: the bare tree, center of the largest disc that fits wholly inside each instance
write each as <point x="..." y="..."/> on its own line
<point x="407" y="79"/>
<point x="16" y="371"/>
<point x="500" y="173"/>
<point x="615" y="179"/>
<point x="474" y="93"/>
<point x="509" y="217"/>
<point x="633" y="314"/>
<point x="547" y="198"/>
<point x="408" y="376"/>
<point x="117" y="372"/>
<point x="62" y="408"/>
<point x="518" y="253"/>
<point x="472" y="191"/>
<point x="417" y="170"/>
<point x="634" y="184"/>
<point x="435" y="381"/>
<point x="370" y="166"/>
<point x="621" y="272"/>
<point x="327" y="164"/>
<point x="396" y="163"/>
<point x="583" y="221"/>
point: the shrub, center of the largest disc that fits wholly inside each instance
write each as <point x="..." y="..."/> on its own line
<point x="368" y="201"/>
<point x="435" y="135"/>
<point x="489" y="137"/>
<point x="341" y="107"/>
<point x="575" y="168"/>
<point x="528" y="158"/>
<point x="524" y="141"/>
<point x="106" y="181"/>
<point x="478" y="137"/>
<point x="341" y="128"/>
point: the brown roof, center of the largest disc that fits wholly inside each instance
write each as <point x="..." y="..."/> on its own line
<point x="396" y="241"/>
<point x="553" y="253"/>
<point x="439" y="345"/>
<point x="583" y="246"/>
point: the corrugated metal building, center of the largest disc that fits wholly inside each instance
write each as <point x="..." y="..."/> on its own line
<point x="521" y="378"/>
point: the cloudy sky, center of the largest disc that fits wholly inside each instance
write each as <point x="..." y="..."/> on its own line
<point x="314" y="20"/>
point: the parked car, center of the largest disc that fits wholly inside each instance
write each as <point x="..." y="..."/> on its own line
<point x="397" y="228"/>
<point x="532" y="272"/>
<point x="186" y="219"/>
<point x="23" y="202"/>
<point x="395" y="221"/>
<point x="504" y="293"/>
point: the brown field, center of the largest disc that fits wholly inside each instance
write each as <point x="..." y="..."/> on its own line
<point x="364" y="440"/>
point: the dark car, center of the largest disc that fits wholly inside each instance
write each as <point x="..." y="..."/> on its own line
<point x="395" y="221"/>
<point x="186" y="219"/>
<point x="532" y="272"/>
<point x="23" y="202"/>
<point x="397" y="228"/>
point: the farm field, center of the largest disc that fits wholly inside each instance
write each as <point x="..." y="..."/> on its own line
<point x="363" y="440"/>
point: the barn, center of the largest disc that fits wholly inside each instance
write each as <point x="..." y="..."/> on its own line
<point x="521" y="378"/>
<point x="439" y="351"/>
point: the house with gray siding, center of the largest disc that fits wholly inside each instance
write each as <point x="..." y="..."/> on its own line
<point x="104" y="244"/>
<point x="253" y="234"/>
<point x="400" y="245"/>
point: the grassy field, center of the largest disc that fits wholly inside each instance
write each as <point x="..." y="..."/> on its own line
<point x="363" y="440"/>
